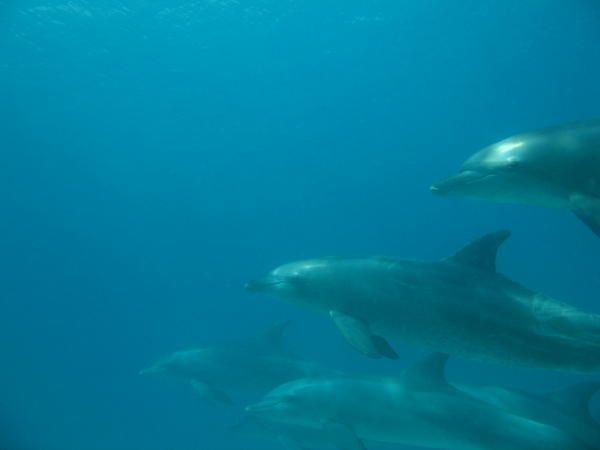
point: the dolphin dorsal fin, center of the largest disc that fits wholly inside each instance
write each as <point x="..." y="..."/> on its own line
<point x="427" y="373"/>
<point x="274" y="337"/>
<point x="482" y="252"/>
<point x="574" y="400"/>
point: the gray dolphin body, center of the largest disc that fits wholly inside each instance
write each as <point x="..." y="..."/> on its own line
<point x="555" y="167"/>
<point x="460" y="306"/>
<point x="418" y="408"/>
<point x="567" y="409"/>
<point x="257" y="364"/>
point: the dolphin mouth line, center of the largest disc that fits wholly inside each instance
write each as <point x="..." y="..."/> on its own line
<point x="448" y="185"/>
<point x="262" y="285"/>
<point x="480" y="179"/>
<point x="259" y="408"/>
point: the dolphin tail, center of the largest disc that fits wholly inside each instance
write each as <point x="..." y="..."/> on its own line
<point x="587" y="209"/>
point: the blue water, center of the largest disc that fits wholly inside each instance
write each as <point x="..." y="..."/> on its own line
<point x="157" y="154"/>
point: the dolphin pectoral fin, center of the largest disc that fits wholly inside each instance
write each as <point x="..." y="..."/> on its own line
<point x="211" y="393"/>
<point x="384" y="347"/>
<point x="358" y="335"/>
<point x="343" y="436"/>
<point x="592" y="223"/>
<point x="587" y="209"/>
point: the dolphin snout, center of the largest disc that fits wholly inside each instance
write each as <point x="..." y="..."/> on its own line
<point x="254" y="286"/>
<point x="263" y="285"/>
<point x="265" y="406"/>
<point x="254" y="409"/>
<point x="446" y="185"/>
<point x="455" y="184"/>
<point x="151" y="370"/>
<point x="435" y="189"/>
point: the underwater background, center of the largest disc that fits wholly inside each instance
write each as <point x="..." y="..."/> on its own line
<point x="155" y="155"/>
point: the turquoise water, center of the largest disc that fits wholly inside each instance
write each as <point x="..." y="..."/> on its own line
<point x="158" y="154"/>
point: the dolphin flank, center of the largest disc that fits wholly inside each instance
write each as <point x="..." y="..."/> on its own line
<point x="555" y="167"/>
<point x="459" y="306"/>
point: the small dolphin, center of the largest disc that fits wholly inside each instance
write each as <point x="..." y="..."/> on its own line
<point x="556" y="167"/>
<point x="459" y="306"/>
<point x="566" y="409"/>
<point x="257" y="364"/>
<point x="418" y="408"/>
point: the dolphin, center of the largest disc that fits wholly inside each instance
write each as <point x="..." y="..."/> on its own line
<point x="555" y="167"/>
<point x="256" y="364"/>
<point x="460" y="306"/>
<point x="566" y="409"/>
<point x="418" y="408"/>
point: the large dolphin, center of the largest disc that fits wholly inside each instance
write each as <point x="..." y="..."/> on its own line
<point x="256" y="364"/>
<point x="555" y="167"/>
<point x="459" y="305"/>
<point x="418" y="408"/>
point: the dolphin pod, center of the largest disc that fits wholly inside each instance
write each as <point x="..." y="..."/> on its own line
<point x="421" y="408"/>
<point x="556" y="167"/>
<point x="459" y="305"/>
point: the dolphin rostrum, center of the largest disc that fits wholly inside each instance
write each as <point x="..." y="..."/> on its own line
<point x="555" y="167"/>
<point x="256" y="364"/>
<point x="460" y="306"/>
<point x="418" y="408"/>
